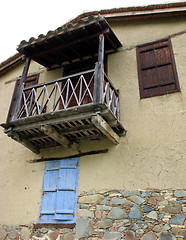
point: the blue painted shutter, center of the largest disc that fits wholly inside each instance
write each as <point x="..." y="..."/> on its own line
<point x="60" y="191"/>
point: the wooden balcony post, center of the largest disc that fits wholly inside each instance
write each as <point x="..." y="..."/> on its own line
<point x="18" y="99"/>
<point x="98" y="77"/>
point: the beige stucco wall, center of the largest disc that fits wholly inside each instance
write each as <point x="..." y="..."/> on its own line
<point x="151" y="155"/>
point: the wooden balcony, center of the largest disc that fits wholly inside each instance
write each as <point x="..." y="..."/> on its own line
<point x="66" y="111"/>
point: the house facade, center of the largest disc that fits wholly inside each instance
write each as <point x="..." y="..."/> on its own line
<point x="93" y="140"/>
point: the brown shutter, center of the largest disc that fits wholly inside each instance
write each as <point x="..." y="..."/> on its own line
<point x="156" y="69"/>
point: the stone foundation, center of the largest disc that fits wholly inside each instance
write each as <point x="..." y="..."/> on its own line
<point x="130" y="215"/>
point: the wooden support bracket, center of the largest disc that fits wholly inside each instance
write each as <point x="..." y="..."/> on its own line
<point x="23" y="141"/>
<point x="103" y="126"/>
<point x="51" y="132"/>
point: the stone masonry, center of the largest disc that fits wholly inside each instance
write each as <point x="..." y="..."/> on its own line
<point x="117" y="214"/>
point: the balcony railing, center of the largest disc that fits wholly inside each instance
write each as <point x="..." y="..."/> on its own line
<point x="67" y="92"/>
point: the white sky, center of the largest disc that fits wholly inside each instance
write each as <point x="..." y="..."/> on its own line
<point x="22" y="19"/>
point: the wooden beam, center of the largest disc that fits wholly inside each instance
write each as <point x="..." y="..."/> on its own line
<point x="18" y="99"/>
<point x="98" y="77"/>
<point x="103" y="126"/>
<point x="23" y="141"/>
<point x="70" y="156"/>
<point x="51" y="132"/>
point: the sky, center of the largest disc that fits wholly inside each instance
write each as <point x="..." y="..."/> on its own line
<point x="23" y="19"/>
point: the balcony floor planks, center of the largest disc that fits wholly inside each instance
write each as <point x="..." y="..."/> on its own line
<point x="74" y="124"/>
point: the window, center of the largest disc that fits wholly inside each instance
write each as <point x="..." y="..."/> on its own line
<point x="30" y="80"/>
<point x="156" y="69"/>
<point x="59" y="197"/>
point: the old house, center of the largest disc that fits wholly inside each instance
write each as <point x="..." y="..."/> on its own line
<point x="93" y="128"/>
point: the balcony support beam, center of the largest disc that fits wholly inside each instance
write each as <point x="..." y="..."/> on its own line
<point x="103" y="126"/>
<point x="51" y="132"/>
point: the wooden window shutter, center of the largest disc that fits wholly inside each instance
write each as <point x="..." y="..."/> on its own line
<point x="60" y="192"/>
<point x="156" y="69"/>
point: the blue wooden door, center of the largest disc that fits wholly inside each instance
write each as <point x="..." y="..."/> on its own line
<point x="60" y="191"/>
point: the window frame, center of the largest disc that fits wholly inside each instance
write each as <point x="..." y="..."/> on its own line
<point x="163" y="90"/>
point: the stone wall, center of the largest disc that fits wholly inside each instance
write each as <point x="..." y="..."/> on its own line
<point x="105" y="214"/>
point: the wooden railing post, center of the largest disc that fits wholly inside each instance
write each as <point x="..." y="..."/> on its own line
<point x="99" y="71"/>
<point x="18" y="99"/>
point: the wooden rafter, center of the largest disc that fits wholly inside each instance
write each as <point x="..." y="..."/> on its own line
<point x="71" y="43"/>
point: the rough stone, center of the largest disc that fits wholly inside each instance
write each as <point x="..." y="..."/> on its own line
<point x="84" y="228"/>
<point x="140" y="231"/>
<point x="147" y="209"/>
<point x="153" y="215"/>
<point x="102" y="191"/>
<point x="135" y="226"/>
<point x="25" y="233"/>
<point x="136" y="199"/>
<point x="130" y="193"/>
<point x="112" y="236"/>
<point x="166" y="227"/>
<point x="167" y="236"/>
<point x="173" y="209"/>
<point x="85" y="213"/>
<point x="149" y="236"/>
<point x="8" y="228"/>
<point x="157" y="228"/>
<point x="144" y="194"/>
<point x="91" y="192"/>
<point x="104" y="223"/>
<point x="121" y="229"/>
<point x="3" y="233"/>
<point x="135" y="213"/>
<point x="180" y="193"/>
<point x="104" y="202"/>
<point x="117" y="213"/>
<point x="68" y="236"/>
<point x="103" y="208"/>
<point x="163" y="203"/>
<point x="118" y="201"/>
<point x="54" y="235"/>
<point x="91" y="199"/>
<point x="152" y="201"/>
<point x="83" y="206"/>
<point x="98" y="214"/>
<point x="178" y="220"/>
<point x="13" y="234"/>
<point x="130" y="235"/>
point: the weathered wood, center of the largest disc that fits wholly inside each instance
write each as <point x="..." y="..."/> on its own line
<point x="23" y="141"/>
<point x="19" y="90"/>
<point x="98" y="77"/>
<point x="51" y="132"/>
<point x="103" y="126"/>
<point x="69" y="44"/>
<point x="70" y="156"/>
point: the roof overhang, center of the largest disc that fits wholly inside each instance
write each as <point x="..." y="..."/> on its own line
<point x="71" y="43"/>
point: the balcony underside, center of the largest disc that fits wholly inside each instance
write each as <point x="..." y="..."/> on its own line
<point x="66" y="127"/>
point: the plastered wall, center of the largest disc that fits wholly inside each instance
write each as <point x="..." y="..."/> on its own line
<point x="151" y="155"/>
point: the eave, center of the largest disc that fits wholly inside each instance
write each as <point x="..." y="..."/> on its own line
<point x="74" y="42"/>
